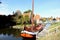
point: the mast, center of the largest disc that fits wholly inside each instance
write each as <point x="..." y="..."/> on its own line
<point x="32" y="18"/>
<point x="32" y="6"/>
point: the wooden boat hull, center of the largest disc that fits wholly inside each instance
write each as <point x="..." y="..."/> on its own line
<point x="26" y="35"/>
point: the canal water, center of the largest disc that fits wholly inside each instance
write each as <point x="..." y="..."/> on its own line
<point x="44" y="31"/>
<point x="10" y="34"/>
<point x="9" y="37"/>
<point x="47" y="25"/>
<point x="12" y="37"/>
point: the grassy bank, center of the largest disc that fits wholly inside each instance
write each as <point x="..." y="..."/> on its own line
<point x="54" y="27"/>
<point x="20" y="26"/>
<point x="54" y="36"/>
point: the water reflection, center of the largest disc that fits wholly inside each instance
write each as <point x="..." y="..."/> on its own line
<point x="10" y="34"/>
<point x="9" y="37"/>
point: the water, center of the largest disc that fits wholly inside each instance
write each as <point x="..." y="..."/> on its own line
<point x="47" y="25"/>
<point x="44" y="31"/>
<point x="9" y="37"/>
<point x="12" y="37"/>
<point x="10" y="34"/>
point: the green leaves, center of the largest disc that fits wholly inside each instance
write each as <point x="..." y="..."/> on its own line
<point x="28" y="11"/>
<point x="20" y="18"/>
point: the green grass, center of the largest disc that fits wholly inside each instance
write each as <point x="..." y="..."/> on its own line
<point x="54" y="25"/>
<point x="54" y="36"/>
<point x="21" y="26"/>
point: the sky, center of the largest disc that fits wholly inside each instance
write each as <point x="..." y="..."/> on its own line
<point x="44" y="8"/>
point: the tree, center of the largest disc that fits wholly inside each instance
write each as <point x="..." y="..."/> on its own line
<point x="28" y="11"/>
<point x="43" y="19"/>
<point x="0" y="2"/>
<point x="17" y="17"/>
<point x="54" y="20"/>
<point x="6" y="21"/>
<point x="26" y="18"/>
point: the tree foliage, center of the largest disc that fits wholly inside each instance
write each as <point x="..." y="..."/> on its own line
<point x="28" y="11"/>
<point x="43" y="19"/>
<point x="17" y="17"/>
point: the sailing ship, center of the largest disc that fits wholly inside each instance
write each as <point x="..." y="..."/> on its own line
<point x="29" y="33"/>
